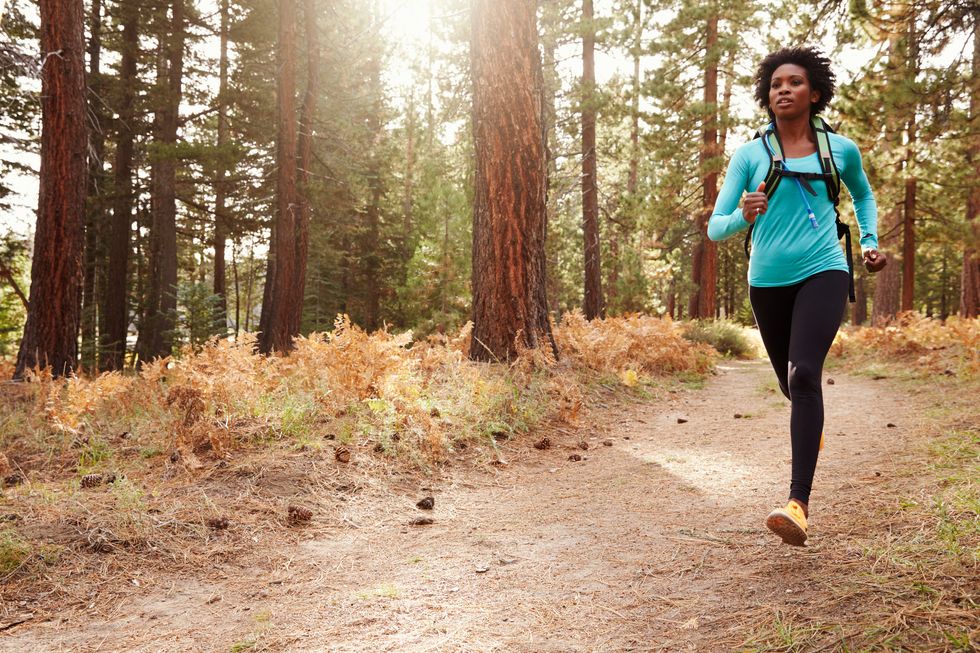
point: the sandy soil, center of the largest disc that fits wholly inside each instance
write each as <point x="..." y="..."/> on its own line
<point x="652" y="542"/>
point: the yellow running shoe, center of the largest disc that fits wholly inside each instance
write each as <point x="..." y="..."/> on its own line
<point x="789" y="523"/>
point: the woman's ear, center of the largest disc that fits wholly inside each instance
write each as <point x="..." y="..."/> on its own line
<point x="814" y="97"/>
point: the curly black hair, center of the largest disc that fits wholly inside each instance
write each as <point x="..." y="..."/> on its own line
<point x="817" y="68"/>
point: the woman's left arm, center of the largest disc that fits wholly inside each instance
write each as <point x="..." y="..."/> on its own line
<point x="865" y="207"/>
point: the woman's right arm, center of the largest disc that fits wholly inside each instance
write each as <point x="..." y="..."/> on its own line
<point x="727" y="219"/>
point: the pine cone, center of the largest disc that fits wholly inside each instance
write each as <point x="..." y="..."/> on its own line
<point x="342" y="454"/>
<point x="91" y="480"/>
<point x="298" y="515"/>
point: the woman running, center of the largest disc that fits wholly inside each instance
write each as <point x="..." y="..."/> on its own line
<point x="798" y="275"/>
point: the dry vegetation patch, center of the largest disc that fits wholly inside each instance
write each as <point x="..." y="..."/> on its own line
<point x="199" y="458"/>
<point x="923" y="345"/>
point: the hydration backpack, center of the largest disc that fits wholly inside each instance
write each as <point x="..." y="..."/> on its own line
<point x="829" y="174"/>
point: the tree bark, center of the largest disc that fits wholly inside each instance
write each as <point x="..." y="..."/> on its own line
<point x="550" y="84"/>
<point x="594" y="306"/>
<point x="859" y="309"/>
<point x="888" y="282"/>
<point x="304" y="148"/>
<point x="51" y="330"/>
<point x="908" y="230"/>
<point x="8" y="274"/>
<point x="93" y="214"/>
<point x="970" y="276"/>
<point x="509" y="206"/>
<point x="283" y="319"/>
<point x="372" y="213"/>
<point x="221" y="218"/>
<point x="705" y="259"/>
<point x="408" y="202"/>
<point x="634" y="169"/>
<point x="622" y="230"/>
<point x="157" y="331"/>
<point x="115" y="309"/>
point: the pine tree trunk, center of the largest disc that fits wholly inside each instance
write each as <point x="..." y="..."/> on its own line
<point x="908" y="231"/>
<point x="550" y="85"/>
<point x="408" y="203"/>
<point x="372" y="214"/>
<point x="859" y="309"/>
<point x="268" y="288"/>
<point x="705" y="259"/>
<point x="249" y="285"/>
<point x="970" y="277"/>
<point x="92" y="279"/>
<point x="282" y="325"/>
<point x="117" y="287"/>
<point x="237" y="286"/>
<point x="944" y="285"/>
<point x="51" y="330"/>
<point x="622" y="230"/>
<point x="221" y="218"/>
<point x="157" y="332"/>
<point x="594" y="306"/>
<point x="632" y="180"/>
<point x="888" y="284"/>
<point x="509" y="206"/>
<point x="304" y="148"/>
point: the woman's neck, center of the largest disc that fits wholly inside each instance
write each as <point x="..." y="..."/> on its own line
<point x="795" y="130"/>
<point x="797" y="137"/>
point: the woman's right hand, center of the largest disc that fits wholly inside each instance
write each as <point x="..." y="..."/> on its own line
<point x="755" y="204"/>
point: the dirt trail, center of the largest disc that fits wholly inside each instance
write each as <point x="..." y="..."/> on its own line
<point x="655" y="543"/>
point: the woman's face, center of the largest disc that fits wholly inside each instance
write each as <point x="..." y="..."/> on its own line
<point x="790" y="95"/>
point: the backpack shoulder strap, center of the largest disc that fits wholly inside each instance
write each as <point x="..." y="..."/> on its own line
<point x="822" y="131"/>
<point x="774" y="148"/>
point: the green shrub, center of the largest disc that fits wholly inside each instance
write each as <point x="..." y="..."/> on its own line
<point x="727" y="337"/>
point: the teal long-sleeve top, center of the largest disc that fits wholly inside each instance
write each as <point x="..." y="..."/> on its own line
<point x="786" y="248"/>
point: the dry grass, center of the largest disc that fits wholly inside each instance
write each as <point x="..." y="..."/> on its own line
<point x="926" y="345"/>
<point x="197" y="459"/>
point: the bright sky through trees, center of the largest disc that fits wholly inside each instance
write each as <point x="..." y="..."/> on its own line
<point x="407" y="24"/>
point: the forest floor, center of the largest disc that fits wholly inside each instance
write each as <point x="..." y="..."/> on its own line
<point x="653" y="541"/>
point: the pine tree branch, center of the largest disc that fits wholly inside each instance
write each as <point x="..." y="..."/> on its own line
<point x="7" y="274"/>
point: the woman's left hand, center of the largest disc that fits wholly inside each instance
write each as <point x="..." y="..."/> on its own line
<point x="874" y="260"/>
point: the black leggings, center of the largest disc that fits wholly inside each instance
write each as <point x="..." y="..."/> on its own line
<point x="798" y="324"/>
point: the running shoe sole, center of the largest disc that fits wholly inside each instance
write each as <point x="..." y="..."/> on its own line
<point x="783" y="525"/>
